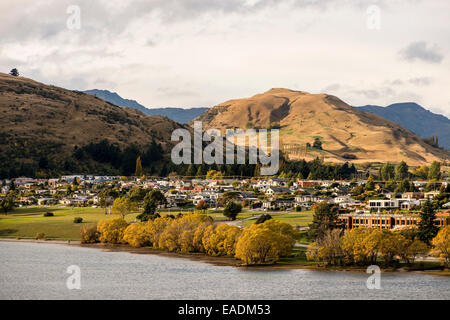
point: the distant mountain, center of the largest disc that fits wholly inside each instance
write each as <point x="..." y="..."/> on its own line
<point x="176" y="114"/>
<point x="415" y="118"/>
<point x="322" y="125"/>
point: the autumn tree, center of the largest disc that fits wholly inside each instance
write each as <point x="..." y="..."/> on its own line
<point x="441" y="246"/>
<point x="201" y="205"/>
<point x="327" y="249"/>
<point x="111" y="230"/>
<point x="265" y="242"/>
<point x="122" y="206"/>
<point x="138" y="172"/>
<point x="221" y="240"/>
<point x="370" y="184"/>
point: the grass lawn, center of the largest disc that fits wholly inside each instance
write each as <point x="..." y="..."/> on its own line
<point x="296" y="219"/>
<point x="29" y="221"/>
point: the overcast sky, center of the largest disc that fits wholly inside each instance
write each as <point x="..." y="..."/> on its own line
<point x="192" y="53"/>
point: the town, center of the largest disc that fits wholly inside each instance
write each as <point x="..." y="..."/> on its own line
<point x="361" y="202"/>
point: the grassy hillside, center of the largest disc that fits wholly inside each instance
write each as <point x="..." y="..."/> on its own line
<point x="43" y="126"/>
<point x="340" y="131"/>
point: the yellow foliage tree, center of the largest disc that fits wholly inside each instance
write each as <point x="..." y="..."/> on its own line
<point x="265" y="242"/>
<point x="122" y="206"/>
<point x="111" y="230"/>
<point x="441" y="246"/>
<point x="221" y="240"/>
<point x="136" y="235"/>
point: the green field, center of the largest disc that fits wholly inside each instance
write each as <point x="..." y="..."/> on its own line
<point x="27" y="222"/>
<point x="296" y="219"/>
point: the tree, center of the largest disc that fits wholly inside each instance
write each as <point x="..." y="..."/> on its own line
<point x="370" y="184"/>
<point x="401" y="171"/>
<point x="12" y="185"/>
<point x="190" y="172"/>
<point x="263" y="218"/>
<point x="317" y="144"/>
<point x="151" y="202"/>
<point x="228" y="196"/>
<point x="112" y="230"/>
<point x="265" y="242"/>
<point x="232" y="209"/>
<point x="427" y="230"/>
<point x="106" y="198"/>
<point x="201" y="205"/>
<point x="7" y="204"/>
<point x="122" y="206"/>
<point x="327" y="249"/>
<point x="410" y="249"/>
<point x="434" y="172"/>
<point x="325" y="218"/>
<point x="138" y="172"/>
<point x="14" y="72"/>
<point x="387" y="172"/>
<point x="441" y="246"/>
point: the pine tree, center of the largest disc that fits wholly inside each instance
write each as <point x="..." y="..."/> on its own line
<point x="14" y="72"/>
<point x="427" y="230"/>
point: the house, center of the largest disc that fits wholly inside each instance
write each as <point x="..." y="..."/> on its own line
<point x="412" y="195"/>
<point x="308" y="198"/>
<point x="431" y="195"/>
<point x="379" y="205"/>
<point x="307" y="183"/>
<point x="271" y="191"/>
<point x="278" y="204"/>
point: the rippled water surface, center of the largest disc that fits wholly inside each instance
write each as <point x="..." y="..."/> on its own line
<point x="38" y="271"/>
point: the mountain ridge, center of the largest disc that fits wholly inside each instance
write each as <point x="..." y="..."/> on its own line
<point x="415" y="118"/>
<point x="176" y="114"/>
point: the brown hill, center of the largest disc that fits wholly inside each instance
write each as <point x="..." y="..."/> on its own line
<point x="345" y="132"/>
<point x="39" y="120"/>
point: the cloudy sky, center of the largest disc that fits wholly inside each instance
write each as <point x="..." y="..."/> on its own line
<point x="191" y="53"/>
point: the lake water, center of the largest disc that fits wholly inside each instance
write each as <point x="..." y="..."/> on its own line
<point x="38" y="271"/>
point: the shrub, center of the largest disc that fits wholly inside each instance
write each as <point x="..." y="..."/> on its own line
<point x="77" y="220"/>
<point x="40" y="236"/>
<point x="89" y="234"/>
<point x="111" y="230"/>
<point x="48" y="214"/>
<point x="263" y="218"/>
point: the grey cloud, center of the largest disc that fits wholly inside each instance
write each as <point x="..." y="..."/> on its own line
<point x="421" y="51"/>
<point x="332" y="87"/>
<point x="421" y="81"/>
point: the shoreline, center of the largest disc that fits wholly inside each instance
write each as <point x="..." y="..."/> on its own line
<point x="226" y="261"/>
